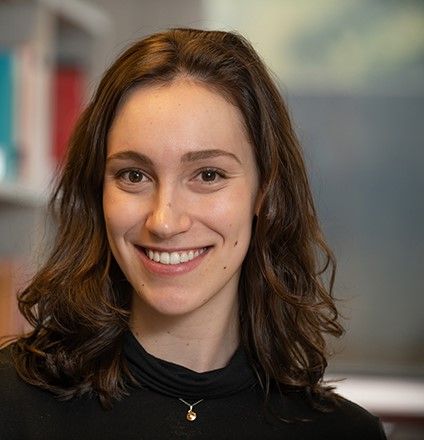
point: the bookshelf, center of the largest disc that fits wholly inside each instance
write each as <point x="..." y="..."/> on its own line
<point x="46" y="59"/>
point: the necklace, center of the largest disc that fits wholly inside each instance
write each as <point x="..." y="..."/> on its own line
<point x="191" y="415"/>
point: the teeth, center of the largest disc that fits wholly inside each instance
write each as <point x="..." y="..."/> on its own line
<point x="173" y="257"/>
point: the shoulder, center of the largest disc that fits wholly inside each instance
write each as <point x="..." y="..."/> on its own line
<point x="7" y="371"/>
<point x="11" y="385"/>
<point x="12" y="396"/>
<point x="340" y="419"/>
<point x="14" y="392"/>
<point x="362" y="423"/>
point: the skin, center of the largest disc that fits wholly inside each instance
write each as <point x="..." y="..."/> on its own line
<point x="180" y="175"/>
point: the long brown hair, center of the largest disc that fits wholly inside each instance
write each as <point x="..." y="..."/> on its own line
<point x="78" y="303"/>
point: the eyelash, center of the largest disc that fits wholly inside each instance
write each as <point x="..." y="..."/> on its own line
<point x="124" y="175"/>
<point x="217" y="171"/>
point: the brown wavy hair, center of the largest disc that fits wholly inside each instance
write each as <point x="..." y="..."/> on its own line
<point x="78" y="303"/>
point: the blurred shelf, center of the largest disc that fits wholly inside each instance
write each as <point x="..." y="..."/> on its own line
<point x="86" y="16"/>
<point x="17" y="195"/>
<point x="384" y="396"/>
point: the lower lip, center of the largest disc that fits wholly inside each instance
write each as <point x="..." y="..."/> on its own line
<point x="170" y="269"/>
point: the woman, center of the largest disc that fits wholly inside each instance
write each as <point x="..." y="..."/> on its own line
<point x="184" y="294"/>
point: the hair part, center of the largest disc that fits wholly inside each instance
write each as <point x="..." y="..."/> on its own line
<point x="79" y="302"/>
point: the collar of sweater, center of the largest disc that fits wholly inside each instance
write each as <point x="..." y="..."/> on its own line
<point x="177" y="381"/>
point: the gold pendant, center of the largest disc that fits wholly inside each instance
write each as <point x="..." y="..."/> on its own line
<point x="191" y="415"/>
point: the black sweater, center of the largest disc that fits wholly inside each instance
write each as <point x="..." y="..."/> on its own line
<point x="231" y="407"/>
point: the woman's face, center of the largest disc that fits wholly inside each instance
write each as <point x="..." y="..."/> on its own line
<point x="180" y="192"/>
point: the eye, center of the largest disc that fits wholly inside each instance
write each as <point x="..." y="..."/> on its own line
<point x="209" y="175"/>
<point x="135" y="176"/>
<point x="131" y="176"/>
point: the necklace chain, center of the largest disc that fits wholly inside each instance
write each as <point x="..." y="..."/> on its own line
<point x="191" y="415"/>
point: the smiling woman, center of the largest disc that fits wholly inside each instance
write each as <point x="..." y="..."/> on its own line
<point x="191" y="197"/>
<point x="184" y="296"/>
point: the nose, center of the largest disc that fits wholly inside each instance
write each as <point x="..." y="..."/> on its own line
<point x="168" y="215"/>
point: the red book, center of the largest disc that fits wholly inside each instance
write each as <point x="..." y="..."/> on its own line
<point x="68" y="100"/>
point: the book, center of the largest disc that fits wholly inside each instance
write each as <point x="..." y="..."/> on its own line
<point x="26" y="109"/>
<point x="68" y="95"/>
<point x="8" y="151"/>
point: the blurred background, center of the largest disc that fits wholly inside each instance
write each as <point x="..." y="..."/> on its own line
<point x="352" y="72"/>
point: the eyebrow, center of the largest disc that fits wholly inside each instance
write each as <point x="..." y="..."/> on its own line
<point x="131" y="155"/>
<point x="191" y="156"/>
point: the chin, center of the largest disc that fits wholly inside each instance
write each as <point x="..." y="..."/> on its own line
<point x="169" y="304"/>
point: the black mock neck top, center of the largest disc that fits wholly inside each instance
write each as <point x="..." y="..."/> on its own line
<point x="179" y="382"/>
<point x="231" y="407"/>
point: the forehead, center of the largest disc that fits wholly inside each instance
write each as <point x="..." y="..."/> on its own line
<point x="177" y="117"/>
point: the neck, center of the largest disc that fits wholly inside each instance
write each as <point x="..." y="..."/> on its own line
<point x="199" y="341"/>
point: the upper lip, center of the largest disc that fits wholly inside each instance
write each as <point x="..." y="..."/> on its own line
<point x="170" y="250"/>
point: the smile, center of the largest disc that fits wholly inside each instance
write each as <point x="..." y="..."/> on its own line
<point x="174" y="257"/>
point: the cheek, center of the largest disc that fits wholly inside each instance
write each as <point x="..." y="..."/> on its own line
<point x="231" y="214"/>
<point x="237" y="201"/>
<point x="119" y="214"/>
<point x="243" y="211"/>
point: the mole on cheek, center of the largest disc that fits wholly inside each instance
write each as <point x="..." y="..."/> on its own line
<point x="225" y="267"/>
<point x="235" y="244"/>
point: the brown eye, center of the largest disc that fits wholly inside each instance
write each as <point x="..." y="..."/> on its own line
<point x="135" y="176"/>
<point x="209" y="175"/>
